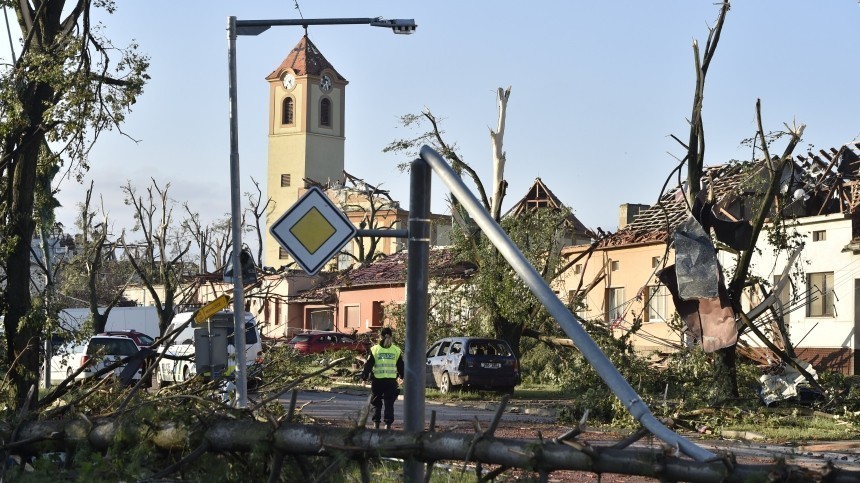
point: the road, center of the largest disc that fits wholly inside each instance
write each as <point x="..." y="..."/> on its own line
<point x="347" y="405"/>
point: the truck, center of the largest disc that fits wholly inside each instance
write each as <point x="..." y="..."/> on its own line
<point x="141" y="319"/>
<point x="180" y="366"/>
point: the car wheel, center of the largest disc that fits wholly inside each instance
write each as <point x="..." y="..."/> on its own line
<point x="69" y="372"/>
<point x="445" y="383"/>
<point x="506" y="390"/>
<point x="159" y="381"/>
<point x="186" y="374"/>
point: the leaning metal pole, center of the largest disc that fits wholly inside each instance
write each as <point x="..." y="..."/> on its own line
<point x="236" y="227"/>
<point x="598" y="360"/>
<point x="417" y="280"/>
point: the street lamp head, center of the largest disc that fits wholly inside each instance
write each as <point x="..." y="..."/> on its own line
<point x="397" y="25"/>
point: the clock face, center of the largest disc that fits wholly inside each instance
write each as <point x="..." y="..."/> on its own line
<point x="289" y="81"/>
<point x="325" y="83"/>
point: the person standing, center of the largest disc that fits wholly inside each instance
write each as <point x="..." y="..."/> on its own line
<point x="385" y="365"/>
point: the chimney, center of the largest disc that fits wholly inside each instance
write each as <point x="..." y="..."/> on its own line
<point x="627" y="212"/>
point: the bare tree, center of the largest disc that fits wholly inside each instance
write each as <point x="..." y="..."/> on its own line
<point x="161" y="261"/>
<point x="258" y="211"/>
<point x="96" y="249"/>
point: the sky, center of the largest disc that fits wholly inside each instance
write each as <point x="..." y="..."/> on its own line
<point x="597" y="88"/>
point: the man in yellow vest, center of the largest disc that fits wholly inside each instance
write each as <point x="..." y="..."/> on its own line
<point x="386" y="364"/>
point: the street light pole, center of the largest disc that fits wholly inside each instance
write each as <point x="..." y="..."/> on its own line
<point x="256" y="27"/>
<point x="236" y="225"/>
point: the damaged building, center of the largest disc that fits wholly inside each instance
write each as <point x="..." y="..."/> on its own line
<point x="618" y="281"/>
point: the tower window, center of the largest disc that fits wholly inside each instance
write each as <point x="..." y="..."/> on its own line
<point x="282" y="253"/>
<point x="325" y="112"/>
<point x="285" y="180"/>
<point x="287" y="111"/>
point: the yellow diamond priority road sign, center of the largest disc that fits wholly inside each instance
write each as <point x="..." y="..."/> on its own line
<point x="313" y="230"/>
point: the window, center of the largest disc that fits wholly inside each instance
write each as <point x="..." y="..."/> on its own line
<point x="378" y="314"/>
<point x="321" y="319"/>
<point x="656" y="299"/>
<point x="282" y="253"/>
<point x="819" y="235"/>
<point x="344" y="258"/>
<point x="287" y="111"/>
<point x="616" y="265"/>
<point x="432" y="351"/>
<point x="443" y="351"/>
<point x="819" y="290"/>
<point x="577" y="269"/>
<point x="325" y="112"/>
<point x="655" y="262"/>
<point x="285" y="180"/>
<point x="352" y="316"/>
<point x="614" y="303"/>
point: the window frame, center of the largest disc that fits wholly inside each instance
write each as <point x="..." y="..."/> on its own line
<point x="823" y="305"/>
<point x="614" y="308"/>
<point x="660" y="313"/>
<point x="325" y="112"/>
<point x="288" y="111"/>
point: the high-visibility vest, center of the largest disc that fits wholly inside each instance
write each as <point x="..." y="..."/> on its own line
<point x="385" y="361"/>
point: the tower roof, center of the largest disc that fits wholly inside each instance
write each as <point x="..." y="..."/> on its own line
<point x="304" y="59"/>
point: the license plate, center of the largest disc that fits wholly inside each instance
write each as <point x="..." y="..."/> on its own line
<point x="491" y="365"/>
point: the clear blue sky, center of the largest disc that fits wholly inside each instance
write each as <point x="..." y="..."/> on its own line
<point x="597" y="88"/>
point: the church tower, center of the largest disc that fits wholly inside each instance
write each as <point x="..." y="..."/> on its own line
<point x="306" y="132"/>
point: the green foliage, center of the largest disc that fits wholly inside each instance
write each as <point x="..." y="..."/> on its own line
<point x="567" y="368"/>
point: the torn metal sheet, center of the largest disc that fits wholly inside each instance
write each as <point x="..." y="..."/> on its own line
<point x="697" y="270"/>
<point x="782" y="386"/>
<point x="711" y="320"/>
<point x="736" y="234"/>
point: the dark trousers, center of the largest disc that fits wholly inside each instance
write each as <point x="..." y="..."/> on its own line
<point x="384" y="391"/>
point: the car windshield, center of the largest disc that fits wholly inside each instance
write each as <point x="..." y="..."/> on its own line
<point x="145" y="339"/>
<point x="300" y="338"/>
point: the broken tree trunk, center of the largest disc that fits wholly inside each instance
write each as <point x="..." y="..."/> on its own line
<point x="306" y="440"/>
<point x="499" y="159"/>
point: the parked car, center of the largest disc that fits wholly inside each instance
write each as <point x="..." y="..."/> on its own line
<point x="65" y="358"/>
<point x="97" y="353"/>
<point x="179" y="370"/>
<point x="316" y="342"/>
<point x="458" y="362"/>
<point x="139" y="338"/>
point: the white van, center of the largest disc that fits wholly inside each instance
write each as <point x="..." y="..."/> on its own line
<point x="170" y="371"/>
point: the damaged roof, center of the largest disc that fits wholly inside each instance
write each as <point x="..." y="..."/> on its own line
<point x="824" y="182"/>
<point x="387" y="271"/>
<point x="540" y="196"/>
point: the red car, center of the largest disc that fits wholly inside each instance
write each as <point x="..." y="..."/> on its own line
<point x="318" y="341"/>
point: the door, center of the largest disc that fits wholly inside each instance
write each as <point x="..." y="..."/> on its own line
<point x="429" y="379"/>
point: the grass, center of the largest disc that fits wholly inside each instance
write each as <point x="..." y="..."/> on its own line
<point x="785" y="426"/>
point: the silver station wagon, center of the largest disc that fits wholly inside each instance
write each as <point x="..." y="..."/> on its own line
<point x="471" y="362"/>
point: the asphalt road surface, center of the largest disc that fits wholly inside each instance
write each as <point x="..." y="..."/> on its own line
<point x="347" y="406"/>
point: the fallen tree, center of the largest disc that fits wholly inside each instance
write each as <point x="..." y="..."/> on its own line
<point x="342" y="445"/>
